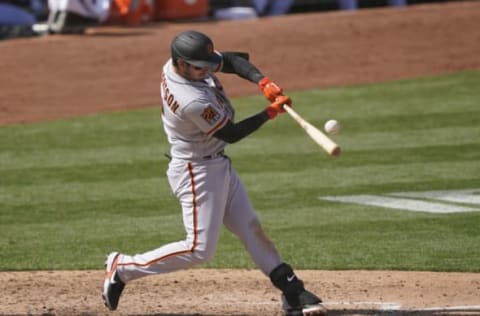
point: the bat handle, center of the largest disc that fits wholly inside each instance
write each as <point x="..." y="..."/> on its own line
<point x="293" y="114"/>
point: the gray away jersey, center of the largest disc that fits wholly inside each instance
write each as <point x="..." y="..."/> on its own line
<point x="192" y="111"/>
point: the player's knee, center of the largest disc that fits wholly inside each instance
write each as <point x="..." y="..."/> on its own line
<point x="203" y="254"/>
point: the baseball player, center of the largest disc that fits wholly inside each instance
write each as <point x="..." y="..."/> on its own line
<point x="198" y="120"/>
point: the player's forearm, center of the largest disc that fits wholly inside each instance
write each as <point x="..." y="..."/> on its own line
<point x="238" y="63"/>
<point x="233" y="132"/>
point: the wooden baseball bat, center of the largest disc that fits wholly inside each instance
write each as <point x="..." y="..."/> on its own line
<point x="318" y="136"/>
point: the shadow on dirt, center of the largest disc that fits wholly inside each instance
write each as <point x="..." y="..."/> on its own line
<point x="351" y="312"/>
<point x="117" y="33"/>
<point x="190" y="315"/>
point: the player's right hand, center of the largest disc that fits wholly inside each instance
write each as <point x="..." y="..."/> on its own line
<point x="276" y="107"/>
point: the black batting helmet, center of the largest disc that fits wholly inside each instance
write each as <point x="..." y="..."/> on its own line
<point x="196" y="49"/>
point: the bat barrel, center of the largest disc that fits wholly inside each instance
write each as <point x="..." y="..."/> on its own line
<point x="315" y="134"/>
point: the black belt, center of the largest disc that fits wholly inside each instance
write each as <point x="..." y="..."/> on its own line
<point x="219" y="154"/>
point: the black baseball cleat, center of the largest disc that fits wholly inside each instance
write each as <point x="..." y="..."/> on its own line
<point x="112" y="286"/>
<point x="310" y="305"/>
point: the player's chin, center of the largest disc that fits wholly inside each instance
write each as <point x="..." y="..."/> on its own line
<point x="195" y="75"/>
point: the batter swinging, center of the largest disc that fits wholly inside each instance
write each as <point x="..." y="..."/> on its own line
<point x="198" y="120"/>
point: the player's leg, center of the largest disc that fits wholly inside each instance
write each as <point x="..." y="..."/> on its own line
<point x="243" y="222"/>
<point x="200" y="190"/>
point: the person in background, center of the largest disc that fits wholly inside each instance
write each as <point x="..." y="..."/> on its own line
<point x="17" y="17"/>
<point x="353" y="4"/>
<point x="272" y="7"/>
<point x="74" y="16"/>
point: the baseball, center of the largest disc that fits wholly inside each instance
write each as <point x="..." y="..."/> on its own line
<point x="332" y="127"/>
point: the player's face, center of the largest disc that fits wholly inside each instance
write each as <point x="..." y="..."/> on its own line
<point x="192" y="72"/>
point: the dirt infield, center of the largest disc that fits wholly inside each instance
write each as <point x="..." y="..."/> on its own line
<point x="241" y="292"/>
<point x="116" y="68"/>
<point x="62" y="76"/>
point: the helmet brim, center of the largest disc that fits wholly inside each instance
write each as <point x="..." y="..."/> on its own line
<point x="212" y="62"/>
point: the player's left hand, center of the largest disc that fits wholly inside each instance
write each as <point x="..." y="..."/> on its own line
<point x="270" y="89"/>
<point x="277" y="106"/>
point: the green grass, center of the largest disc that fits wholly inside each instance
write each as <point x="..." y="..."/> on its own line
<point x="73" y="190"/>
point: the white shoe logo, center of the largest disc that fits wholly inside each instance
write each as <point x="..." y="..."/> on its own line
<point x="290" y="278"/>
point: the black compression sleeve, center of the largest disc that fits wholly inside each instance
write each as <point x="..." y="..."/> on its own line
<point x="233" y="132"/>
<point x="238" y="63"/>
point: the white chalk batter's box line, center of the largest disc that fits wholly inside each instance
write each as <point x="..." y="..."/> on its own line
<point x="446" y="201"/>
<point x="391" y="306"/>
<point x="380" y="306"/>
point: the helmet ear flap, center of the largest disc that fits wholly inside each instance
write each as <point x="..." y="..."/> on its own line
<point x="174" y="55"/>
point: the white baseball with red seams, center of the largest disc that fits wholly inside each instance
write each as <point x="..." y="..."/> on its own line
<point x="332" y="126"/>
<point x="203" y="179"/>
